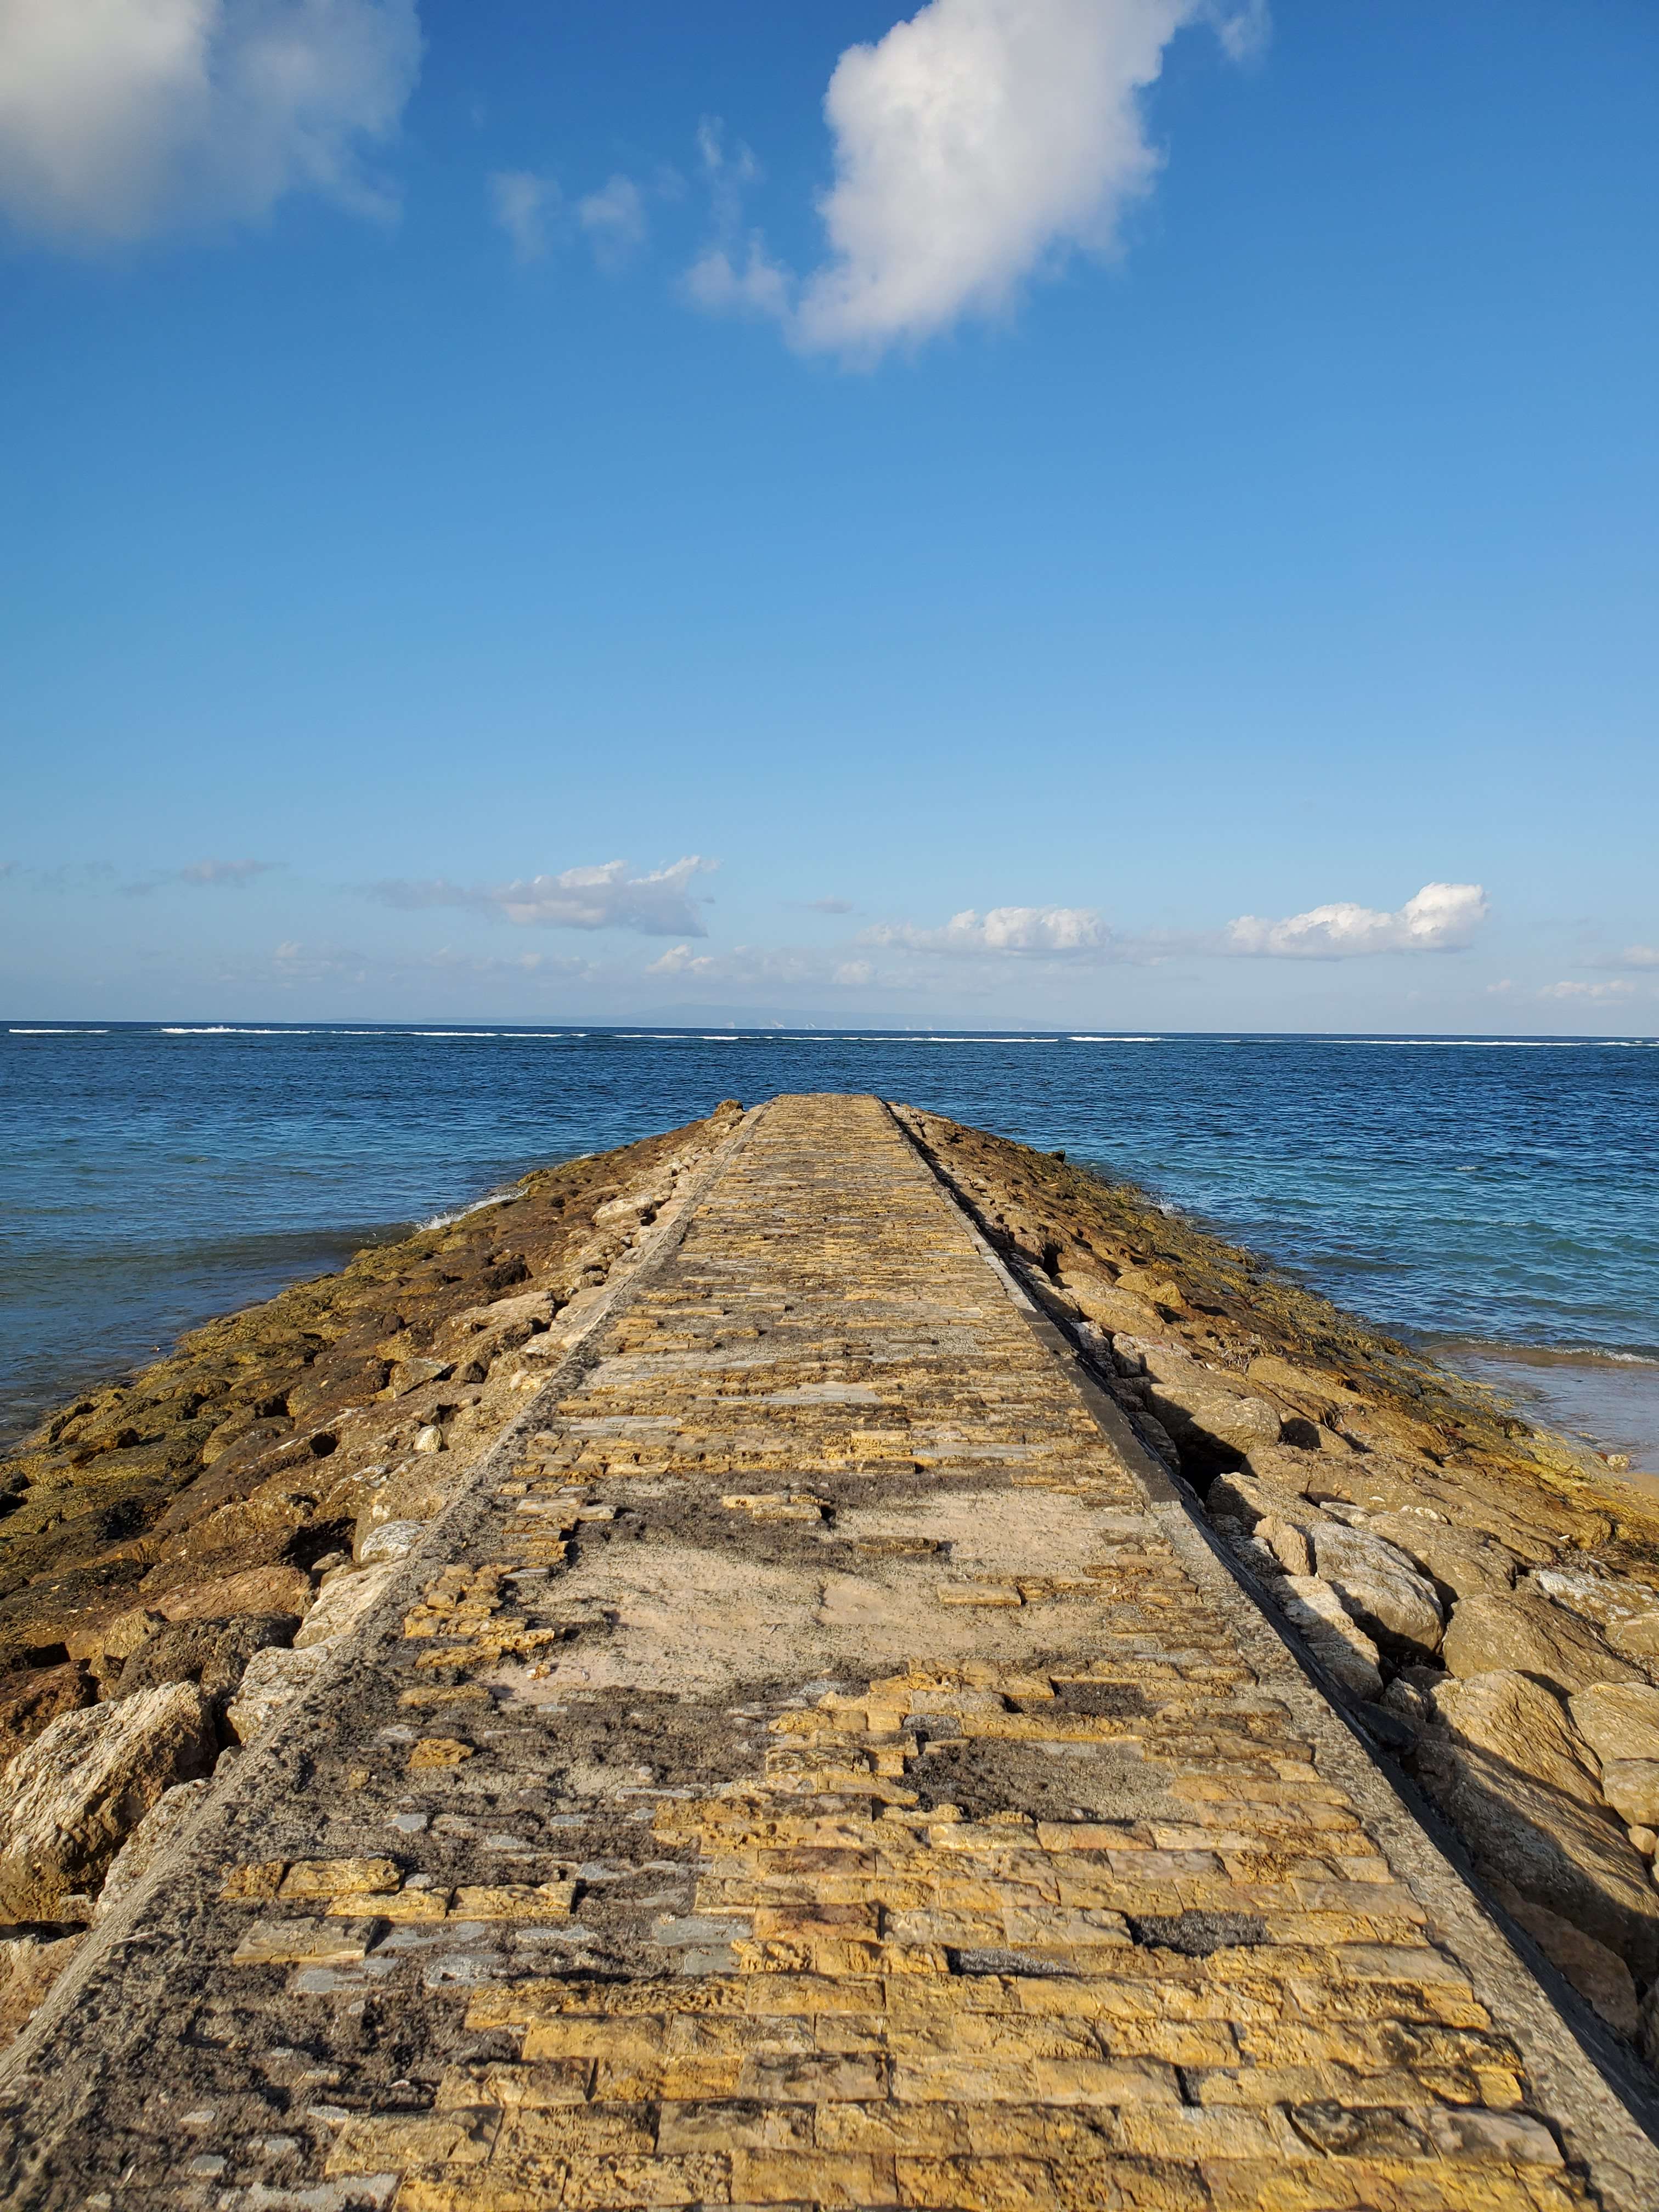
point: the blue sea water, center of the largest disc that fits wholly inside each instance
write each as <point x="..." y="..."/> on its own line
<point x="1499" y="1197"/>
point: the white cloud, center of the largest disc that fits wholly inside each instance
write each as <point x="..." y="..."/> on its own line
<point x="726" y="280"/>
<point x="1596" y="992"/>
<point x="1637" y="955"/>
<point x="605" y="897"/>
<point x="117" y="117"/>
<point x="1044" y="930"/>
<point x="614" y="219"/>
<point x="1440" y="918"/>
<point x="976" y="146"/>
<point x="680" y="960"/>
<point x="525" y="205"/>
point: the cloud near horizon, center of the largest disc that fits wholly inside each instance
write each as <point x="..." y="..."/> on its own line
<point x="203" y="875"/>
<point x="1440" y="918"/>
<point x="119" y="117"/>
<point x="605" y="897"/>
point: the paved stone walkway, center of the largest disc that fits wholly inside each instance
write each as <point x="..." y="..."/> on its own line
<point x="809" y="1772"/>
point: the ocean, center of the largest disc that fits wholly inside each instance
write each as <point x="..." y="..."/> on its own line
<point x="1493" y="1200"/>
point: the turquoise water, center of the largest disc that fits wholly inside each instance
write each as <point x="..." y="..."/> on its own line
<point x="1479" y="1193"/>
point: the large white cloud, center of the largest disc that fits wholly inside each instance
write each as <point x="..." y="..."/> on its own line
<point x="1440" y="918"/>
<point x="118" y="116"/>
<point x="975" y="145"/>
<point x="659" y="904"/>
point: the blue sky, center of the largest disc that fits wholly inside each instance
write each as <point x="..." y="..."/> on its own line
<point x="1139" y="515"/>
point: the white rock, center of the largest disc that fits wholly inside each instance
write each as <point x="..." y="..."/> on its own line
<point x="345" y="1598"/>
<point x="1379" y="1585"/>
<point x="389" y="1539"/>
<point x="430" y="1438"/>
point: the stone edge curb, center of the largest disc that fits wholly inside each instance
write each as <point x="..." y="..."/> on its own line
<point x="261" y="1771"/>
<point x="1609" y="2120"/>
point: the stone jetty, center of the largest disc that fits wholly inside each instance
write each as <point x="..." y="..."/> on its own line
<point x="821" y="1755"/>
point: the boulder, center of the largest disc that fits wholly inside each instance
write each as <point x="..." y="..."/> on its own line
<point x="1529" y="1636"/>
<point x="387" y="1540"/>
<point x="345" y="1598"/>
<point x="1151" y="1284"/>
<point x="167" y="1819"/>
<point x="1378" y="1585"/>
<point x="210" y="1652"/>
<point x="1288" y="1542"/>
<point x="1600" y="1976"/>
<point x="1308" y="1386"/>
<point x="1630" y="1786"/>
<point x="1199" y="1409"/>
<point x="1108" y="1305"/>
<point x="1459" y="1564"/>
<point x="276" y="1588"/>
<point x="1509" y="1769"/>
<point x="32" y="1700"/>
<point x="1318" y="1615"/>
<point x="76" y="1793"/>
<point x="1617" y="1720"/>
<point x="1601" y="1598"/>
<point x="1637" y="1638"/>
<point x="272" y="1679"/>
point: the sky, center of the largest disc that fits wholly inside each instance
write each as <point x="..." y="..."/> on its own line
<point x="1125" y="514"/>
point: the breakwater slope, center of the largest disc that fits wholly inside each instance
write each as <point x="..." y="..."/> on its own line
<point x="807" y="1748"/>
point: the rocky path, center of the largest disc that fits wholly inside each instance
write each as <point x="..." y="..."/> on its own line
<point x="821" y="1762"/>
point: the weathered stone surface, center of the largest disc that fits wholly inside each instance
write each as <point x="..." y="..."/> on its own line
<point x="1110" y="1306"/>
<point x="76" y="1793"/>
<point x="1304" y="1385"/>
<point x="343" y="1601"/>
<point x="1526" y="1636"/>
<point x="1459" y="1564"/>
<point x="1318" y="1615"/>
<point x="387" y="1540"/>
<point x="1630" y="1786"/>
<point x="149" y="1841"/>
<point x="29" y="1964"/>
<point x="1599" y="1974"/>
<point x="1196" y="1406"/>
<point x="271" y="1682"/>
<point x="211" y="1652"/>
<point x="31" y="1701"/>
<point x="1377" y="1584"/>
<point x="1617" y="1720"/>
<point x="1510" y="1769"/>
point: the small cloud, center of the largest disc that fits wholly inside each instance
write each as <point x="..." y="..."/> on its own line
<point x="824" y="905"/>
<point x="1633" y="956"/>
<point x="853" y="974"/>
<point x="202" y="875"/>
<point x="1596" y="992"/>
<point x="1440" y="918"/>
<point x="614" y="220"/>
<point x="659" y="904"/>
<point x="681" y="961"/>
<point x="1044" y="930"/>
<point x="751" y="285"/>
<point x="1497" y="990"/>
<point x="525" y="205"/>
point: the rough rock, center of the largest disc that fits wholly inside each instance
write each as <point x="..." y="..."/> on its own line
<point x="1508" y="1767"/>
<point x="1458" y="1563"/>
<point x="1378" y="1585"/>
<point x="1529" y="1636"/>
<point x="273" y="1679"/>
<point x="1198" y="1409"/>
<point x="344" y="1598"/>
<point x="1630" y="1786"/>
<point x="1107" y="1305"/>
<point x="1603" y="1599"/>
<point x="31" y="1701"/>
<point x="1269" y="1372"/>
<point x="387" y="1540"/>
<point x="1288" y="1542"/>
<point x="29" y="1964"/>
<point x="257" y="1590"/>
<point x="1617" y="1720"/>
<point x="1637" y="1638"/>
<point x="73" y="1796"/>
<point x="211" y="1652"/>
<point x="1317" y="1614"/>
<point x="166" y="1820"/>
<point x="1600" y="1975"/>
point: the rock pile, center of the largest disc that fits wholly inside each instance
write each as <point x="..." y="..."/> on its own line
<point x="1484" y="1594"/>
<point x="182" y="1553"/>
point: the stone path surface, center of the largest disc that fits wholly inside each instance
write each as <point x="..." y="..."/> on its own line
<point x="815" y="1768"/>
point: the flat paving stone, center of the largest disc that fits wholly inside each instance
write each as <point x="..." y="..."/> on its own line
<point x="817" y="1764"/>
